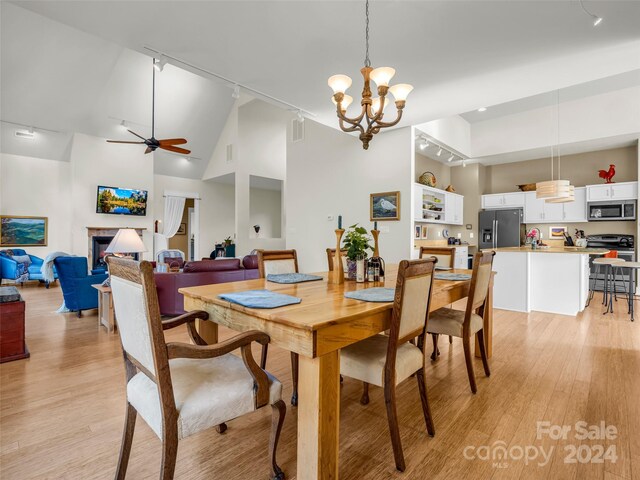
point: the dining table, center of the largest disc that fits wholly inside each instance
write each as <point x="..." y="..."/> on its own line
<point x="316" y="329"/>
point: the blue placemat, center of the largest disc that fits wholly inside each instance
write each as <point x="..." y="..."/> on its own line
<point x="292" y="277"/>
<point x="260" y="299"/>
<point x="377" y="294"/>
<point x="452" y="276"/>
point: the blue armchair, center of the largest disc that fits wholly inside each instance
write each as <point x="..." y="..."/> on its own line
<point x="10" y="269"/>
<point x="76" y="283"/>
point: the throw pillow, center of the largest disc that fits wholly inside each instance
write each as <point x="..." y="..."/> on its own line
<point x="25" y="259"/>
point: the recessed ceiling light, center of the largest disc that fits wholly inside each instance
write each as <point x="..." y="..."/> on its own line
<point x="482" y="109"/>
<point x="28" y="134"/>
<point x="597" y="21"/>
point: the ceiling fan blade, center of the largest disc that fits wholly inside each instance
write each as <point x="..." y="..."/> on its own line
<point x="134" y="133"/>
<point x="184" y="151"/>
<point x="173" y="141"/>
<point x="122" y="141"/>
<point x="148" y="150"/>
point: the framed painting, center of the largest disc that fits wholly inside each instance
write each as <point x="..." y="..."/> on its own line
<point x="557" y="232"/>
<point x="417" y="232"/>
<point x="425" y="232"/>
<point x="384" y="206"/>
<point x="23" y="231"/>
<point x="182" y="229"/>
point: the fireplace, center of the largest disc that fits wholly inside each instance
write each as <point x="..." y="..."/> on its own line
<point x="99" y="240"/>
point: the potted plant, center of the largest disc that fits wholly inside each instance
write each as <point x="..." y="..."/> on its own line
<point x="356" y="242"/>
<point x="229" y="247"/>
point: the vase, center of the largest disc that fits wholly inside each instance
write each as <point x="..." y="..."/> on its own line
<point x="352" y="269"/>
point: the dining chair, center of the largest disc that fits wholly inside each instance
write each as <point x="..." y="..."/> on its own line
<point x="445" y="256"/>
<point x="465" y="324"/>
<point x="386" y="361"/>
<point x="331" y="254"/>
<point x="180" y="389"/>
<point x="275" y="262"/>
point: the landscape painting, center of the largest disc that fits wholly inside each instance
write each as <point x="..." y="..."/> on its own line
<point x="385" y="206"/>
<point x="18" y="231"/>
<point x="121" y="201"/>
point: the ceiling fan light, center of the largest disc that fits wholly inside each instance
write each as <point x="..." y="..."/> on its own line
<point x="382" y="75"/>
<point x="339" y="83"/>
<point x="401" y="91"/>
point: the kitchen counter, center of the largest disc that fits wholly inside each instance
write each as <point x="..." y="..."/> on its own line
<point x="530" y="279"/>
<point x="573" y="250"/>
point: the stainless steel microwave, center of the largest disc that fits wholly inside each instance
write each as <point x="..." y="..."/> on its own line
<point x="611" y="210"/>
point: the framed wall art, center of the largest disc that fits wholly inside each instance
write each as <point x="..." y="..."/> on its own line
<point x="23" y="231"/>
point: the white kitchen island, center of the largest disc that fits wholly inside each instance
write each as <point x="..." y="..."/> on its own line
<point x="554" y="280"/>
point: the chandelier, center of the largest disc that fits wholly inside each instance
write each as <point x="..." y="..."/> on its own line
<point x="369" y="122"/>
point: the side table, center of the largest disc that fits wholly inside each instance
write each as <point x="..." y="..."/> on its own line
<point x="106" y="315"/>
<point x="12" y="341"/>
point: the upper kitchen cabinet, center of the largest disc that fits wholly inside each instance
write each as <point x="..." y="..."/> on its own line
<point x="612" y="191"/>
<point x="453" y="210"/>
<point x="538" y="211"/>
<point x="503" y="200"/>
<point x="576" y="211"/>
<point x="433" y="205"/>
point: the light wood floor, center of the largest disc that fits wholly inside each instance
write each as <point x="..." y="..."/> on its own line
<point x="62" y="410"/>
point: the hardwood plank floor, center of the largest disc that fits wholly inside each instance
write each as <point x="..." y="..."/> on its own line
<point x="62" y="410"/>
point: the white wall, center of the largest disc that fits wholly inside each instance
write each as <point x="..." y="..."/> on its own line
<point x="266" y="211"/>
<point x="453" y="132"/>
<point x="40" y="188"/>
<point x="329" y="173"/>
<point x="217" y="211"/>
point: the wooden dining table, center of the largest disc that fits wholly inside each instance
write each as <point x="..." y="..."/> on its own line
<point x="317" y="328"/>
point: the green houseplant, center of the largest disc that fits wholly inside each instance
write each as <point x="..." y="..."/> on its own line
<point x="356" y="242"/>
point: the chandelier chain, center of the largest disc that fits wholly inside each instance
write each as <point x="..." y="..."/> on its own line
<point x="367" y="62"/>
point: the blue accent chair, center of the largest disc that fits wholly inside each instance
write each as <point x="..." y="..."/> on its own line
<point x="76" y="283"/>
<point x="12" y="270"/>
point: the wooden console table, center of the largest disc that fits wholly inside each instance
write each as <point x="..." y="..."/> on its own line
<point x="12" y="339"/>
<point x="106" y="315"/>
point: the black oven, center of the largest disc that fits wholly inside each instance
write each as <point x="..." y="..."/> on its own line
<point x="623" y="244"/>
<point x="603" y="211"/>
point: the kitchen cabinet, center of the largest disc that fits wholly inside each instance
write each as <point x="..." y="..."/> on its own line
<point x="536" y="210"/>
<point x="503" y="200"/>
<point x="576" y="211"/>
<point x="612" y="191"/>
<point x="453" y="208"/>
<point x="432" y="205"/>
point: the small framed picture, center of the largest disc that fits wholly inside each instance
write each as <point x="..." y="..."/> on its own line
<point x="424" y="232"/>
<point x="384" y="206"/>
<point x="557" y="232"/>
<point x="182" y="229"/>
<point x="418" y="232"/>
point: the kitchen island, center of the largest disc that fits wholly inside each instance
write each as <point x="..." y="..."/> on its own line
<point x="553" y="279"/>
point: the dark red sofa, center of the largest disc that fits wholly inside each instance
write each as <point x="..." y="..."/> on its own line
<point x="202" y="272"/>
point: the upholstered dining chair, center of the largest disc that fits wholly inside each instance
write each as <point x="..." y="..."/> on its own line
<point x="275" y="262"/>
<point x="331" y="254"/>
<point x="180" y="389"/>
<point x="465" y="324"/>
<point x="386" y="361"/>
<point x="445" y="259"/>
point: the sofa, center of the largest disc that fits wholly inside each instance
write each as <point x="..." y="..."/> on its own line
<point x="12" y="269"/>
<point x="201" y="272"/>
<point x="76" y="283"/>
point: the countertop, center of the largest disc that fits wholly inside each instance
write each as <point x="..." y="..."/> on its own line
<point x="579" y="250"/>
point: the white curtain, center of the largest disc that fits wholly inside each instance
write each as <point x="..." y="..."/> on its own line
<point x="173" y="208"/>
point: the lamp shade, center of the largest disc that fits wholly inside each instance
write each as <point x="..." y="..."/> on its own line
<point x="382" y="75"/>
<point x="564" y="197"/>
<point x="553" y="189"/>
<point x="339" y="83"/>
<point x="126" y="240"/>
<point x="346" y="101"/>
<point x="401" y="91"/>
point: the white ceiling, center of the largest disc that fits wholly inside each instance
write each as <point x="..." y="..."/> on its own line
<point x="459" y="56"/>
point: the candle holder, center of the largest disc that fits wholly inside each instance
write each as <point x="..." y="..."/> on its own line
<point x="337" y="275"/>
<point x="376" y="251"/>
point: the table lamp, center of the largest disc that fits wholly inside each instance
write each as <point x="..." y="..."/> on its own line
<point x="126" y="241"/>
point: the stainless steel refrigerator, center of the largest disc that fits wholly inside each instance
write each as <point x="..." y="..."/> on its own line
<point x="501" y="228"/>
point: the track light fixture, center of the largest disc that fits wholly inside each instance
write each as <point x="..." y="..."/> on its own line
<point x="450" y="158"/>
<point x="464" y="163"/>
<point x="300" y="116"/>
<point x="159" y="64"/>
<point x="424" y="143"/>
<point x="596" y="19"/>
<point x="439" y="151"/>
<point x="236" y="92"/>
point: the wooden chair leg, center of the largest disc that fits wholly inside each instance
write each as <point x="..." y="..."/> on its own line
<point x="436" y="352"/>
<point x="79" y="314"/>
<point x="483" y="353"/>
<point x="127" y="440"/>
<point x="450" y="339"/>
<point x="294" y="375"/>
<point x="466" y="343"/>
<point x="221" y="428"/>
<point x="263" y="358"/>
<point x="394" y="428"/>
<point x="169" y="450"/>
<point x="364" y="399"/>
<point x="422" y="386"/>
<point x="279" y="410"/>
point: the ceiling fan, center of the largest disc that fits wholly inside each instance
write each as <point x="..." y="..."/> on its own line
<point x="152" y="143"/>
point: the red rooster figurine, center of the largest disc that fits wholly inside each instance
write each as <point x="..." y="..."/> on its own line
<point x="608" y="174"/>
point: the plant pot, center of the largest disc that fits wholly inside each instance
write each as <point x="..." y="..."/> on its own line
<point x="351" y="270"/>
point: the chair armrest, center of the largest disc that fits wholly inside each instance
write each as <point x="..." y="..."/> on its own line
<point x="36" y="260"/>
<point x="189" y="318"/>
<point x="242" y="341"/>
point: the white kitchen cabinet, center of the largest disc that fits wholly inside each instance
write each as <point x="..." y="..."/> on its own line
<point x="453" y="208"/>
<point x="460" y="258"/>
<point x="538" y="211"/>
<point x="576" y="211"/>
<point x="612" y="191"/>
<point x="503" y="200"/>
<point x="432" y="205"/>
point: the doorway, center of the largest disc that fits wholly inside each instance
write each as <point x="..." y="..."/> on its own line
<point x="183" y="239"/>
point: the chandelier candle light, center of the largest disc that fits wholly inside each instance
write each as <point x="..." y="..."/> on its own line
<point x="369" y="122"/>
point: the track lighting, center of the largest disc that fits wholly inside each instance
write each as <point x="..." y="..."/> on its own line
<point x="236" y="92"/>
<point x="450" y="158"/>
<point x="439" y="151"/>
<point x="464" y="163"/>
<point x="596" y="19"/>
<point x="424" y="143"/>
<point x="159" y="64"/>
<point x="28" y="134"/>
<point x="482" y="109"/>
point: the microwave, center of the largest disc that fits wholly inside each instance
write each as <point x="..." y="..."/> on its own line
<point x="611" y="210"/>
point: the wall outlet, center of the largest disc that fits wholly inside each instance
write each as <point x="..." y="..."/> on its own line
<point x="459" y="235"/>
<point x="330" y="218"/>
<point x="439" y="234"/>
<point x="470" y="234"/>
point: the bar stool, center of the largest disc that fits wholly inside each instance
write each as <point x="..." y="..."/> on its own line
<point x="611" y="274"/>
<point x="633" y="267"/>
<point x="599" y="264"/>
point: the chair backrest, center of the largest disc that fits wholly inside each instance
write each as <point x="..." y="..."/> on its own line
<point x="443" y="254"/>
<point x="71" y="267"/>
<point x="480" y="280"/>
<point x="277" y="261"/>
<point x="166" y="256"/>
<point x="611" y="254"/>
<point x="331" y="255"/>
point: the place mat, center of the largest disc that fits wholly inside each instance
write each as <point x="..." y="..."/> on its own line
<point x="377" y="294"/>
<point x="452" y="276"/>
<point x="292" y="277"/>
<point x="438" y="267"/>
<point x="260" y="299"/>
